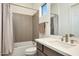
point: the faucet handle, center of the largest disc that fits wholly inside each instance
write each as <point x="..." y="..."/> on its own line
<point x="71" y="35"/>
<point x="66" y="37"/>
<point x="72" y="41"/>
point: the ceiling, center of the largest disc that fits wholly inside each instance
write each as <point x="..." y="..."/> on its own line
<point x="22" y="9"/>
<point x="30" y="5"/>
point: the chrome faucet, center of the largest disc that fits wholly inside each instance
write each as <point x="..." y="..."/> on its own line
<point x="65" y="37"/>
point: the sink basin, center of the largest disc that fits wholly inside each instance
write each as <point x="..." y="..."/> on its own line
<point x="61" y="44"/>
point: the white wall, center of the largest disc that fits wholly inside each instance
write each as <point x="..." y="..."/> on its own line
<point x="36" y="5"/>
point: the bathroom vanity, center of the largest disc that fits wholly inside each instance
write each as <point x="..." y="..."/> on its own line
<point x="45" y="51"/>
<point x="53" y="46"/>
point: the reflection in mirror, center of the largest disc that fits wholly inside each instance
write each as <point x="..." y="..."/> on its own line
<point x="54" y="24"/>
<point x="75" y="19"/>
<point x="65" y="19"/>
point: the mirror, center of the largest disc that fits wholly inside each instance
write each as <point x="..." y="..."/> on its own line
<point x="67" y="19"/>
<point x="54" y="24"/>
<point x="75" y="19"/>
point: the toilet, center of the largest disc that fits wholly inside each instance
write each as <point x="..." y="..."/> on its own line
<point x="31" y="51"/>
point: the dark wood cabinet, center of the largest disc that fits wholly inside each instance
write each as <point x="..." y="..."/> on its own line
<point x="50" y="52"/>
<point x="45" y="51"/>
<point x="40" y="53"/>
<point x="39" y="46"/>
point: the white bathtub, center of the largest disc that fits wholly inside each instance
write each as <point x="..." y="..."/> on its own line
<point x="19" y="48"/>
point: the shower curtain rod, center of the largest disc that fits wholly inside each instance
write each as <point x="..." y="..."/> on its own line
<point x="23" y="6"/>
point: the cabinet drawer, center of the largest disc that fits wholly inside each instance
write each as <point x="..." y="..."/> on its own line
<point x="50" y="52"/>
<point x="39" y="53"/>
<point x="39" y="46"/>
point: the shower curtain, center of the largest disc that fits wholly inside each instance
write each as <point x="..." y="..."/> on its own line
<point x="7" y="30"/>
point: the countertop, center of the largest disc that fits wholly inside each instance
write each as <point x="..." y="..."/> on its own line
<point x="71" y="51"/>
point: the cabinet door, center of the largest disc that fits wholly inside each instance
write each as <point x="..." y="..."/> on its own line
<point x="50" y="52"/>
<point x="39" y="46"/>
<point x="39" y="53"/>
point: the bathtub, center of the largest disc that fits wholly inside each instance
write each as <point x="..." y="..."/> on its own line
<point x="19" y="48"/>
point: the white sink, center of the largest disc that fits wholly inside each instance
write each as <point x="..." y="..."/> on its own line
<point x="60" y="44"/>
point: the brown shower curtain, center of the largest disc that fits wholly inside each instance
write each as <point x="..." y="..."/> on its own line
<point x="7" y="30"/>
